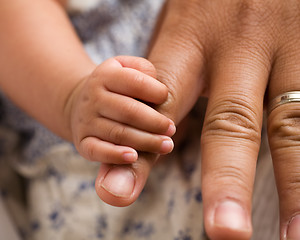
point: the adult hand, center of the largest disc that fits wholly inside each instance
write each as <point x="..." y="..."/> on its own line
<point x="232" y="51"/>
<point x="247" y="46"/>
<point x="178" y="62"/>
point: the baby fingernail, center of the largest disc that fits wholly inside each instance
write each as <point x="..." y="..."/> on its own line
<point x="231" y="215"/>
<point x="293" y="232"/>
<point x="119" y="181"/>
<point x="171" y="130"/>
<point x="130" y="156"/>
<point x="167" y="146"/>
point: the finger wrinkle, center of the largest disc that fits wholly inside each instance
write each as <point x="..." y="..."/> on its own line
<point x="291" y="187"/>
<point x="284" y="129"/>
<point x="233" y="178"/>
<point x="234" y="120"/>
<point x="116" y="134"/>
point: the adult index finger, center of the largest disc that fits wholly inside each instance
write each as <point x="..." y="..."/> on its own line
<point x="179" y="66"/>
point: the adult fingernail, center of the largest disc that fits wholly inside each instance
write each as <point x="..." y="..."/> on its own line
<point x="293" y="232"/>
<point x="231" y="215"/>
<point x="119" y="181"/>
<point x="167" y="146"/>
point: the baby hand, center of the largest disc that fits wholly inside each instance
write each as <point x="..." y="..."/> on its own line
<point x="111" y="116"/>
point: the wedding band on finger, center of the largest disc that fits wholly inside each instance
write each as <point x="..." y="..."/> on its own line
<point x="287" y="97"/>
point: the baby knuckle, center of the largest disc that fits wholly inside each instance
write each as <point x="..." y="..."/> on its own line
<point x="130" y="111"/>
<point x="117" y="134"/>
<point x="233" y="119"/>
<point x="98" y="72"/>
<point x="148" y="68"/>
<point x="88" y="150"/>
<point x="139" y="80"/>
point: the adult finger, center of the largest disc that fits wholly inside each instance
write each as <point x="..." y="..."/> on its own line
<point x="231" y="137"/>
<point x="121" y="185"/>
<point x="284" y="132"/>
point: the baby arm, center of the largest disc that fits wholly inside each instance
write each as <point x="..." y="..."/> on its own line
<point x="45" y="71"/>
<point x="41" y="60"/>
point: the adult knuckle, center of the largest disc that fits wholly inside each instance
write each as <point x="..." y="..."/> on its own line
<point x="272" y="15"/>
<point x="253" y="19"/>
<point x="284" y="128"/>
<point x="256" y="12"/>
<point x="189" y="23"/>
<point x="233" y="119"/>
<point x="186" y="9"/>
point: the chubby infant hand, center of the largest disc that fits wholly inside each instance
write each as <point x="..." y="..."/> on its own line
<point x="112" y="115"/>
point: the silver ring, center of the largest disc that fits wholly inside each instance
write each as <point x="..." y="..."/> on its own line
<point x="288" y="97"/>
